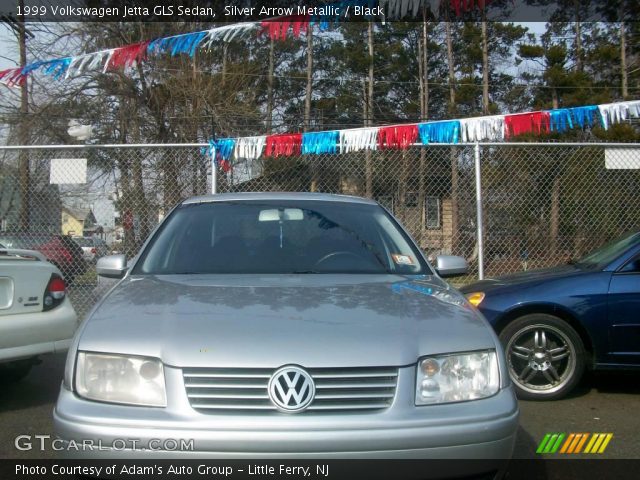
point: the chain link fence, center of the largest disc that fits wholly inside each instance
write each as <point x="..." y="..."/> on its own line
<point x="542" y="204"/>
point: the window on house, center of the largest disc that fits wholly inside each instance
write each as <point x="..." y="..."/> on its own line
<point x="411" y="199"/>
<point x="387" y="202"/>
<point x="432" y="212"/>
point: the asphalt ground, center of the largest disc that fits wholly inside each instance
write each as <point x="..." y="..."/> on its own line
<point x="603" y="403"/>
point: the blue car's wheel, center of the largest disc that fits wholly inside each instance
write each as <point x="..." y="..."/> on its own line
<point x="545" y="356"/>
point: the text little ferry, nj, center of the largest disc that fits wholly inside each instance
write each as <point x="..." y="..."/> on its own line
<point x="283" y="470"/>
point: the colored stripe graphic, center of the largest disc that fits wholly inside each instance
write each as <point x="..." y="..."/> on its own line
<point x="550" y="443"/>
<point x="581" y="443"/>
<point x="598" y="442"/>
<point x="573" y="443"/>
<point x="567" y="443"/>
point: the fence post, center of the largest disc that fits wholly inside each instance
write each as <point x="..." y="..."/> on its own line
<point x="480" y="232"/>
<point x="214" y="171"/>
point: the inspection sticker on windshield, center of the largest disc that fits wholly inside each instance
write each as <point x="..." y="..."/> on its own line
<point x="402" y="259"/>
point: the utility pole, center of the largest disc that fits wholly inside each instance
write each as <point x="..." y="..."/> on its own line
<point x="485" y="65"/>
<point x="23" y="135"/>
<point x="309" y="89"/>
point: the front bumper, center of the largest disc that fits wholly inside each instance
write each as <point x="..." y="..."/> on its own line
<point x="479" y="429"/>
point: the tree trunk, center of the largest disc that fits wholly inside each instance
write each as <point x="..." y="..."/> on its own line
<point x="452" y="90"/>
<point x="225" y="49"/>
<point x="139" y="204"/>
<point x="309" y="90"/>
<point x="369" y="115"/>
<point x="485" y="66"/>
<point x="270" y="88"/>
<point x="578" y="36"/>
<point x="23" y="156"/>
<point x="623" y="55"/>
<point x="554" y="97"/>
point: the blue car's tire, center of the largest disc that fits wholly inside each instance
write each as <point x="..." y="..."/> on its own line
<point x="545" y="356"/>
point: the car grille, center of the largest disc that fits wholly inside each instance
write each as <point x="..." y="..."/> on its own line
<point x="212" y="390"/>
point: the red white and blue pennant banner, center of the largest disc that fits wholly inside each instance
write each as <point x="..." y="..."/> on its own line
<point x="492" y="128"/>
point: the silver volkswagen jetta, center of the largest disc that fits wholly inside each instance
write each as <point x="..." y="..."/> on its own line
<point x="285" y="325"/>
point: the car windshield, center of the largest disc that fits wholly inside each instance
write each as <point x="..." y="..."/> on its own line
<point x="601" y="257"/>
<point x="280" y="237"/>
<point x="22" y="241"/>
<point x="83" y="242"/>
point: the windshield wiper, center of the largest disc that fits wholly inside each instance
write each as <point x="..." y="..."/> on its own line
<point x="304" y="272"/>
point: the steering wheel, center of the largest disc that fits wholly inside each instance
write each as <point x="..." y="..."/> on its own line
<point x="332" y="255"/>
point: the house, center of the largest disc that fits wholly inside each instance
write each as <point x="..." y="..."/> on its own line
<point x="43" y="203"/>
<point x="427" y="212"/>
<point x="78" y="222"/>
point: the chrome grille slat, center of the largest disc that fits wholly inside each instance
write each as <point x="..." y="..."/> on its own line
<point x="355" y="385"/>
<point x="223" y="385"/>
<point x="215" y="390"/>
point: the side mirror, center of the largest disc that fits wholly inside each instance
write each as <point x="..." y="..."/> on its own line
<point x="451" y="266"/>
<point x="112" y="266"/>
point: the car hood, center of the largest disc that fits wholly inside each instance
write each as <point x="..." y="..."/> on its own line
<point x="521" y="278"/>
<point x="268" y="321"/>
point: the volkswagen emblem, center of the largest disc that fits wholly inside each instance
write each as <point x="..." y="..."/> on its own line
<point x="291" y="389"/>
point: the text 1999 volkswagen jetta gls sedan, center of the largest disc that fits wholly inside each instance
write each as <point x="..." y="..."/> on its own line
<point x="286" y="325"/>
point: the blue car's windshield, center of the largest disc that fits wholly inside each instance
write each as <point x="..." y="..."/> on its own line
<point x="601" y="257"/>
<point x="251" y="236"/>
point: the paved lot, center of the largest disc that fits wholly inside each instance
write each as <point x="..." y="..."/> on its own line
<point x="603" y="403"/>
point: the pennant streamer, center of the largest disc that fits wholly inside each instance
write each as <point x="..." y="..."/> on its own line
<point x="127" y="56"/>
<point x="88" y="62"/>
<point x="401" y="136"/>
<point x="320" y="142"/>
<point x="480" y="129"/>
<point x="585" y="116"/>
<point x="278" y="28"/>
<point x="285" y="144"/>
<point x="228" y="33"/>
<point x="536" y="122"/>
<point x="618" y="112"/>
<point x="397" y="9"/>
<point x="560" y="120"/>
<point x="440" y="132"/>
<point x="179" y="44"/>
<point x="12" y="77"/>
<point x="463" y="6"/>
<point x="358" y="139"/>
<point x="249" y="147"/>
<point x="224" y="147"/>
<point x="220" y="152"/>
<point x="469" y="130"/>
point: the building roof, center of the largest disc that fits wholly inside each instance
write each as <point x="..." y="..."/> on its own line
<point x="291" y="196"/>
<point x="80" y="213"/>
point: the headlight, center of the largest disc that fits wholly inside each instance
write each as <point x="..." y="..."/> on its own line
<point x="475" y="298"/>
<point x="457" y="377"/>
<point x="120" y="379"/>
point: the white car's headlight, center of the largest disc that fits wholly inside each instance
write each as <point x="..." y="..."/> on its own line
<point x="457" y="377"/>
<point x="120" y="379"/>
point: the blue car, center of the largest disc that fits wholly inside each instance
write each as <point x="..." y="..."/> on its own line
<point x="555" y="323"/>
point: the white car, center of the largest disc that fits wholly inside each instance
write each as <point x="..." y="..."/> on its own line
<point x="36" y="317"/>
